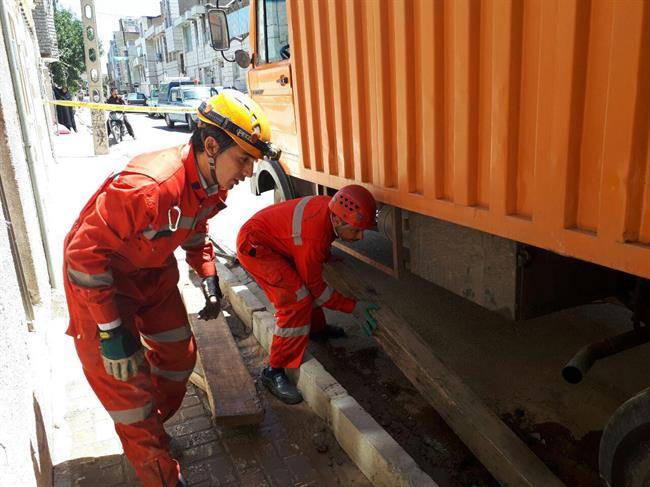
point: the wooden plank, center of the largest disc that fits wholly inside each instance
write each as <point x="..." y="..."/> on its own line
<point x="198" y="376"/>
<point x="496" y="446"/>
<point x="230" y="388"/>
<point x="363" y="258"/>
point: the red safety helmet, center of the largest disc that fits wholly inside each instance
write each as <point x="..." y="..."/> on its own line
<point x="355" y="206"/>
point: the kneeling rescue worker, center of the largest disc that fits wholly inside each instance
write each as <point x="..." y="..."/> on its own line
<point x="284" y="247"/>
<point x="121" y="275"/>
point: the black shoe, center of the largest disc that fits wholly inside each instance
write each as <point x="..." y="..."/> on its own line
<point x="329" y="332"/>
<point x="181" y="482"/>
<point x="277" y="382"/>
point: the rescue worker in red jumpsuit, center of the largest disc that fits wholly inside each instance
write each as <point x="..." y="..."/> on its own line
<point x="129" y="324"/>
<point x="284" y="247"/>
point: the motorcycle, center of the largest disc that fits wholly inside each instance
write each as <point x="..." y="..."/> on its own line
<point x="116" y="126"/>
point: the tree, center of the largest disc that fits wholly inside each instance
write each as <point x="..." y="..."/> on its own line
<point x="71" y="64"/>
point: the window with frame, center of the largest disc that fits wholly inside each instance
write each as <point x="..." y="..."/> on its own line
<point x="187" y="38"/>
<point x="272" y="31"/>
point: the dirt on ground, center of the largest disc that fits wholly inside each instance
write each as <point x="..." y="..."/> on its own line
<point x="375" y="382"/>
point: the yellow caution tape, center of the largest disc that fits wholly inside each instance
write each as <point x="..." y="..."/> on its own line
<point x="121" y="108"/>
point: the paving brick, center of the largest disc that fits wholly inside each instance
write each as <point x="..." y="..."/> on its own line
<point x="202" y="452"/>
<point x="198" y="438"/>
<point x="268" y="457"/>
<point x="190" y="426"/>
<point x="280" y="476"/>
<point x="190" y="400"/>
<point x="285" y="448"/>
<point x="242" y="455"/>
<point x="301" y="468"/>
<point x="191" y="412"/>
<point x="255" y="478"/>
<point x="218" y="470"/>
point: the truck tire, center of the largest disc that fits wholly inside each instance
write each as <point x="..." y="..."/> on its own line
<point x="270" y="175"/>
<point x="624" y="456"/>
<point x="170" y="123"/>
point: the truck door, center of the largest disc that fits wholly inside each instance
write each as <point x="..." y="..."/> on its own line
<point x="270" y="80"/>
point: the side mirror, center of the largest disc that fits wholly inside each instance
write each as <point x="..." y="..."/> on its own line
<point x="242" y="58"/>
<point x="220" y="38"/>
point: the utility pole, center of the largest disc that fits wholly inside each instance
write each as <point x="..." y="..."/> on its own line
<point x="94" y="74"/>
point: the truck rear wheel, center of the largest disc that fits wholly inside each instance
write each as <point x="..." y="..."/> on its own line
<point x="270" y="175"/>
<point x="170" y="123"/>
<point x="632" y="464"/>
<point x="624" y="456"/>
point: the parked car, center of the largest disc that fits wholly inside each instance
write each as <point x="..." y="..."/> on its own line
<point x="169" y="84"/>
<point x="153" y="102"/>
<point x="187" y="97"/>
<point x="136" y="99"/>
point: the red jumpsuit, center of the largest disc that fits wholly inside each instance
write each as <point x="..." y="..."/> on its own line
<point x="284" y="247"/>
<point x="119" y="264"/>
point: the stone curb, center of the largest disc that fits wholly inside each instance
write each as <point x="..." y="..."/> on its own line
<point x="370" y="447"/>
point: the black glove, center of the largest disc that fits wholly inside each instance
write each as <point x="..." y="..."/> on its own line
<point x="213" y="297"/>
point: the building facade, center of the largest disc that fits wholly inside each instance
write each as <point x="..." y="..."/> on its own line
<point x="148" y="51"/>
<point x="27" y="45"/>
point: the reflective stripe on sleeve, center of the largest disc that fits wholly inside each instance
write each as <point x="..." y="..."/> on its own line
<point x="90" y="280"/>
<point x="175" y="375"/>
<point x="174" y="335"/>
<point x="109" y="326"/>
<point x="324" y="296"/>
<point x="291" y="332"/>
<point x="301" y="293"/>
<point x="296" y="224"/>
<point x="203" y="214"/>
<point x="195" y="240"/>
<point x="130" y="416"/>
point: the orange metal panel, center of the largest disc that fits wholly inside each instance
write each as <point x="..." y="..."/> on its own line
<point x="527" y="119"/>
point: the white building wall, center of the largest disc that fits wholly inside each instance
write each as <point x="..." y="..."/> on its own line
<point x="25" y="405"/>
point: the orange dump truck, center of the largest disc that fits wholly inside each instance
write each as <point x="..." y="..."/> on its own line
<point x="508" y="142"/>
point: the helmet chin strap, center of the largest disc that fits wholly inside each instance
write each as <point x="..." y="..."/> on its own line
<point x="334" y="226"/>
<point x="213" y="170"/>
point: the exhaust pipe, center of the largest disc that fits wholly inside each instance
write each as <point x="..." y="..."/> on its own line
<point x="579" y="365"/>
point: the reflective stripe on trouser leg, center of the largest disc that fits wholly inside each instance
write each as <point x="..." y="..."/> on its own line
<point x="171" y="350"/>
<point x="282" y="286"/>
<point x="291" y="335"/>
<point x="138" y="425"/>
<point x="132" y="415"/>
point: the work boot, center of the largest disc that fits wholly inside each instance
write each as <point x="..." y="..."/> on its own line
<point x="280" y="386"/>
<point x="329" y="332"/>
<point x="181" y="481"/>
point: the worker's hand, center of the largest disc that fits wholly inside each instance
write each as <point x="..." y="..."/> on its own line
<point x="213" y="297"/>
<point x="364" y="310"/>
<point x="121" y="352"/>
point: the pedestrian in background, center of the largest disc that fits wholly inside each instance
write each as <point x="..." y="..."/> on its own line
<point x="64" y="115"/>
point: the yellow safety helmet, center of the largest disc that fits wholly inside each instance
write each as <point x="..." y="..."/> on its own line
<point x="242" y="119"/>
